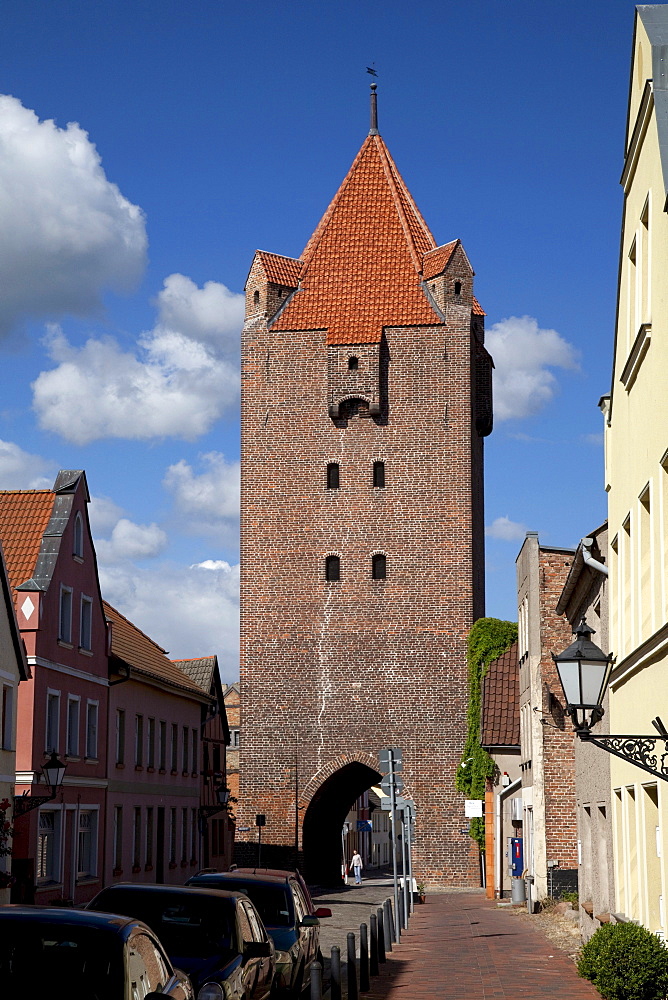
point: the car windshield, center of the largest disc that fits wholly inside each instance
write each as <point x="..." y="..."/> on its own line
<point x="187" y="926"/>
<point x="82" y="962"/>
<point x="272" y="901"/>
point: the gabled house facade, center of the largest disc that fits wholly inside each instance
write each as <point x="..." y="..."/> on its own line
<point x="500" y="737"/>
<point x="585" y="595"/>
<point x="155" y="760"/>
<point x="13" y="669"/>
<point x="62" y="707"/>
<point x="216" y="824"/>
<point x="546" y="736"/>
<point x="636" y="481"/>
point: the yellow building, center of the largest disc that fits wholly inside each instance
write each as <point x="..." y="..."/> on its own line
<point x="636" y="462"/>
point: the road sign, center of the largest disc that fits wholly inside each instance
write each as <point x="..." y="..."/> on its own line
<point x="387" y="782"/>
<point x="384" y="759"/>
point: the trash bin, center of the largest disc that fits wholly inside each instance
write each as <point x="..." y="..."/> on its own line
<point x="518" y="890"/>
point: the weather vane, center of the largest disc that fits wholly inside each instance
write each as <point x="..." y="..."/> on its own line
<point x="371" y="70"/>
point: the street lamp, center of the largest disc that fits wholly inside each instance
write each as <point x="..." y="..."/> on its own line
<point x="53" y="772"/>
<point x="584" y="673"/>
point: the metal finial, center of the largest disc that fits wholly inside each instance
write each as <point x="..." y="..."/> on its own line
<point x="374" y="110"/>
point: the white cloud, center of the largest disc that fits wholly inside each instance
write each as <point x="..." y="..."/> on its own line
<point x="103" y="514"/>
<point x="177" y="383"/>
<point x="594" y="439"/>
<point x="131" y="541"/>
<point x="19" y="470"/>
<point x="523" y="354"/>
<point x="188" y="610"/>
<point x="506" y="530"/>
<point x="209" y="502"/>
<point x="66" y="232"/>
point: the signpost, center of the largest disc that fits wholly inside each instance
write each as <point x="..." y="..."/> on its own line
<point x="390" y="764"/>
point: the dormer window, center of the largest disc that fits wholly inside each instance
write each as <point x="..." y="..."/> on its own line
<point x="353" y="364"/>
<point x="77" y="545"/>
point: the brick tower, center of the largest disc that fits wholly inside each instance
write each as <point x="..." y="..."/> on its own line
<point x="366" y="393"/>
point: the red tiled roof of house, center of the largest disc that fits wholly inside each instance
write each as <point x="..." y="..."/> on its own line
<point x="435" y="261"/>
<point x="361" y="269"/>
<point x="500" y="716"/>
<point x="280" y="270"/>
<point x="135" y="648"/>
<point x="477" y="308"/>
<point x="24" y="515"/>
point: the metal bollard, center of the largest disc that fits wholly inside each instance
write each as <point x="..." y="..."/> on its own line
<point x="373" y="945"/>
<point x="316" y="981"/>
<point x="335" y="974"/>
<point x="364" y="959"/>
<point x="353" y="993"/>
<point x="381" y="934"/>
<point x="395" y="930"/>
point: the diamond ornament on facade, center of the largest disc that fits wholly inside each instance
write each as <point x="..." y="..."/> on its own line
<point x="27" y="608"/>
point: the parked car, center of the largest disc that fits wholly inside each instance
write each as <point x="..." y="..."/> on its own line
<point x="216" y="937"/>
<point x="47" y="951"/>
<point x="288" y="913"/>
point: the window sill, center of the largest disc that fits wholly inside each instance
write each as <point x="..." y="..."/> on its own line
<point x="136" y="869"/>
<point x="150" y="770"/>
<point x="193" y="774"/>
<point x="162" y="771"/>
<point x="65" y="645"/>
<point x="184" y="863"/>
<point x="139" y="767"/>
<point x="91" y="760"/>
<point x="636" y="355"/>
<point x="77" y="559"/>
<point x="46" y="884"/>
<point x="173" y="771"/>
<point x="184" y="774"/>
<point x="120" y="765"/>
<point x="172" y="865"/>
<point x="116" y="872"/>
<point x="148" y="868"/>
<point x="73" y="757"/>
<point x="85" y="652"/>
<point x="87" y="880"/>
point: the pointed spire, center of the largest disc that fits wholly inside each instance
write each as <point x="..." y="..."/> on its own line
<point x="374" y="110"/>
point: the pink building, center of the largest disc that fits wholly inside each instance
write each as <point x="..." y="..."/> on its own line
<point x="63" y="706"/>
<point x="155" y="759"/>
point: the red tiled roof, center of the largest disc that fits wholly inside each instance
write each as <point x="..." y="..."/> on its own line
<point x="435" y="261"/>
<point x="24" y="515"/>
<point x="500" y="716"/>
<point x="361" y="268"/>
<point x="280" y="270"/>
<point x="132" y="646"/>
<point x="477" y="308"/>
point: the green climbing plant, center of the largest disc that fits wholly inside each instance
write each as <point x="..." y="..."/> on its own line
<point x="487" y="640"/>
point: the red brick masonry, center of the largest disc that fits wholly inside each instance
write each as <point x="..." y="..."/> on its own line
<point x="460" y="945"/>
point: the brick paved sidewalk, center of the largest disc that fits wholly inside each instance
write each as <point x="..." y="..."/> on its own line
<point x="460" y="945"/>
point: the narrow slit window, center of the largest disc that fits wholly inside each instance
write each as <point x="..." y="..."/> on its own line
<point x="256" y="298"/>
<point x="332" y="569"/>
<point x="333" y="476"/>
<point x="379" y="474"/>
<point x="379" y="566"/>
<point x="353" y="364"/>
<point x="458" y="288"/>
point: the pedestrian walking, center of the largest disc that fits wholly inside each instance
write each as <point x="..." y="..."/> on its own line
<point x="356" y="865"/>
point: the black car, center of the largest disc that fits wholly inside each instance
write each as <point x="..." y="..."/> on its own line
<point x="46" y="951"/>
<point x="216" y="937"/>
<point x="287" y="912"/>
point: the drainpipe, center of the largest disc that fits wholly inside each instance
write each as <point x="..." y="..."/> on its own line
<point x="589" y="559"/>
<point x="515" y="786"/>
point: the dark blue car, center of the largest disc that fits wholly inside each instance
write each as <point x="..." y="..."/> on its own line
<point x="216" y="937"/>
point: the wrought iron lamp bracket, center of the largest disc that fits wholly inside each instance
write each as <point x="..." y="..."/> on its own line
<point x="26" y="803"/>
<point x="639" y="750"/>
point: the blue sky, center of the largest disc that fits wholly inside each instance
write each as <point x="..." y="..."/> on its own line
<point x="206" y="130"/>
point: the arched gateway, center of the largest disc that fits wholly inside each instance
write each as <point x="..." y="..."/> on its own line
<point x="361" y="523"/>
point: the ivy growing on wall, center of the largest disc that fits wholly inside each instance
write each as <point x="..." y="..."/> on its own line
<point x="487" y="640"/>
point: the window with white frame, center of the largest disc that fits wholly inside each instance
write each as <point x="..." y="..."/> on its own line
<point x="118" y="837"/>
<point x="162" y="746"/>
<point x="184" y="750"/>
<point x="193" y="835"/>
<point x="234" y="737"/>
<point x="175" y="746"/>
<point x="77" y="544"/>
<point x="150" y="744"/>
<point x="52" y="734"/>
<point x="72" y="737"/>
<point x="195" y="749"/>
<point x="7" y="720"/>
<point x="120" y="736"/>
<point x="184" y="834"/>
<point x="139" y="740"/>
<point x="172" y="836"/>
<point x="149" y="837"/>
<point x="86" y="623"/>
<point x="47" y="862"/>
<point x="87" y="844"/>
<point x="92" y="712"/>
<point x="65" y="618"/>
<point x="136" y="838"/>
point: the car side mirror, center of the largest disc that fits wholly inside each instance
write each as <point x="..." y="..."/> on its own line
<point x="257" y="949"/>
<point x="310" y="920"/>
<point x="323" y="911"/>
